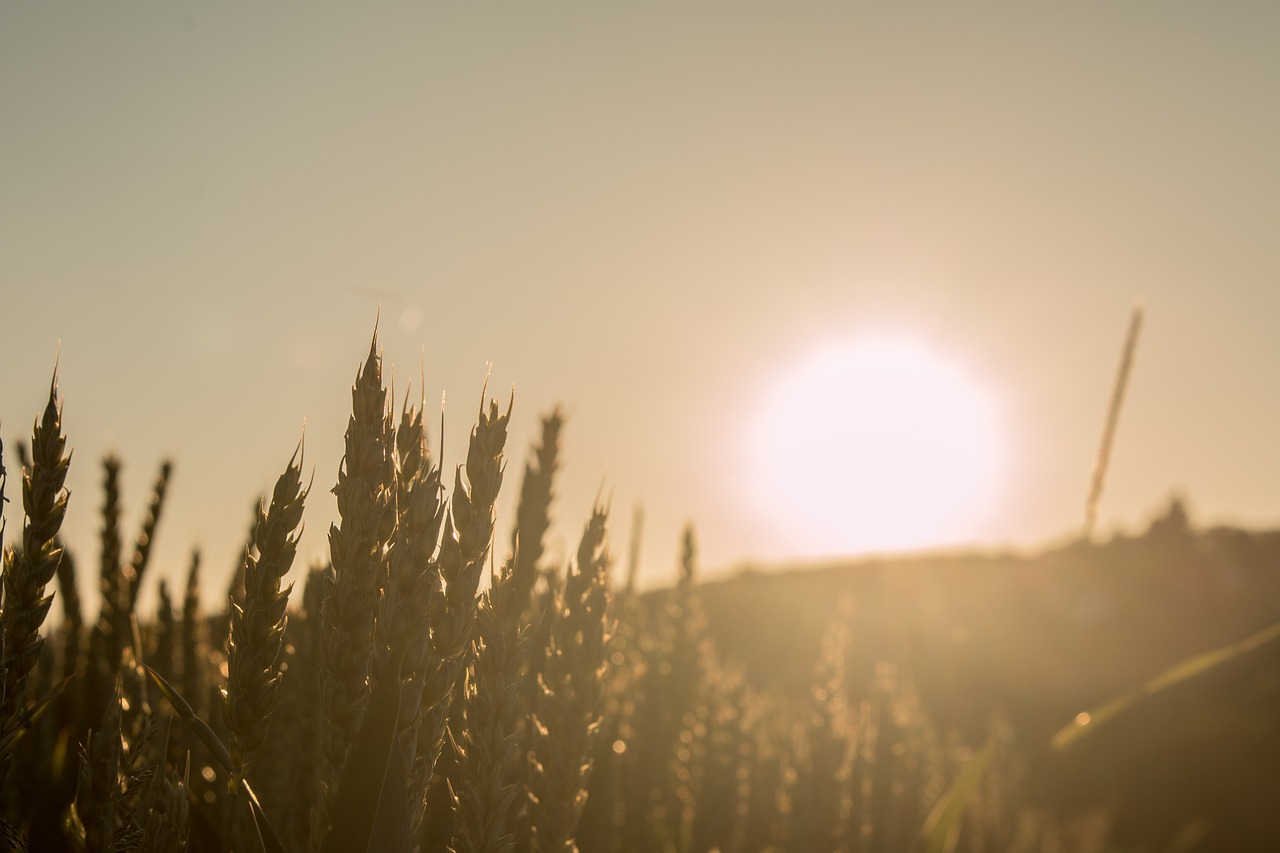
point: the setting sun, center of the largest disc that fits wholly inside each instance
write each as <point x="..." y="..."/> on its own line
<point x="875" y="444"/>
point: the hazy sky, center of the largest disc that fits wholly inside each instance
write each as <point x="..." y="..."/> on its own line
<point x="654" y="215"/>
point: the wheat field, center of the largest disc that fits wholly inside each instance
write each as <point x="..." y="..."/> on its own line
<point x="429" y="688"/>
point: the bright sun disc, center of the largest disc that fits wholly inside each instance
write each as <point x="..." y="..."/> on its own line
<point x="879" y="444"/>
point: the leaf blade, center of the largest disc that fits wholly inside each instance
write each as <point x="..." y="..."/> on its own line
<point x="942" y="828"/>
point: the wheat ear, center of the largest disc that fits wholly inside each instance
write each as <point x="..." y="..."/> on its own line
<point x="568" y="711"/>
<point x="257" y="628"/>
<point x="192" y="638"/>
<point x="490" y="771"/>
<point x="357" y="552"/>
<point x="108" y="636"/>
<point x="468" y="534"/>
<point x="414" y="587"/>
<point x="141" y="558"/>
<point x="533" y="513"/>
<point x="166" y="632"/>
<point x="95" y="814"/>
<point x="26" y="575"/>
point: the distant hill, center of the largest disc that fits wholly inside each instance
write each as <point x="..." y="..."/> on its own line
<point x="1042" y="637"/>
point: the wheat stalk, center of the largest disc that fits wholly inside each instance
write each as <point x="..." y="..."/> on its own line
<point x="167" y="813"/>
<point x="107" y="636"/>
<point x="464" y="546"/>
<point x="678" y="752"/>
<point x="192" y="639"/>
<point x="533" y="513"/>
<point x="414" y="591"/>
<point x="141" y="558"/>
<point x="257" y="628"/>
<point x="348" y="612"/>
<point x="166" y="632"/>
<point x="412" y="583"/>
<point x="490" y="770"/>
<point x="568" y="710"/>
<point x="95" y="814"/>
<point x="27" y="574"/>
<point x="820" y="793"/>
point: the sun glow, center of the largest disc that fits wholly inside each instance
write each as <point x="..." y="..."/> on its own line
<point x="877" y="444"/>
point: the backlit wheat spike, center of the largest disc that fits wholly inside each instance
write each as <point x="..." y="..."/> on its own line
<point x="166" y="810"/>
<point x="689" y="659"/>
<point x="193" y="639"/>
<point x="108" y="635"/>
<point x="257" y="628"/>
<point x="166" y="634"/>
<point x="721" y="790"/>
<point x="464" y="546"/>
<point x="533" y="513"/>
<point x="137" y="567"/>
<point x="409" y="591"/>
<point x="95" y="813"/>
<point x="568" y="711"/>
<point x="669" y="729"/>
<point x="29" y="573"/>
<point x="414" y="590"/>
<point x="491" y="774"/>
<point x="608" y="819"/>
<point x="357" y="547"/>
<point x="820" y="795"/>
<point x="636" y="734"/>
<point x="286" y="768"/>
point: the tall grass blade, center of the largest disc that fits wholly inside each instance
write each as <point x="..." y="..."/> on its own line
<point x="942" y="829"/>
<point x="1187" y="671"/>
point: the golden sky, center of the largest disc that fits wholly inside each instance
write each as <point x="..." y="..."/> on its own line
<point x="661" y="216"/>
